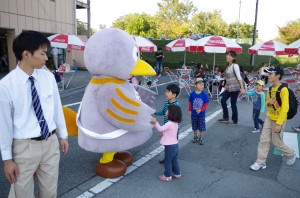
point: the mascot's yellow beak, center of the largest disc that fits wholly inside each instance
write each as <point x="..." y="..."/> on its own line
<point x="142" y="69"/>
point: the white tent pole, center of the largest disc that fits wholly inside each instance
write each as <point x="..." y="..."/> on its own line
<point x="269" y="60"/>
<point x="214" y="63"/>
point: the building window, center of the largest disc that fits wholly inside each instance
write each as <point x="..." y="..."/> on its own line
<point x="52" y="0"/>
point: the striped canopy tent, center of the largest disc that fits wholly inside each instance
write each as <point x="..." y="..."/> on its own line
<point x="66" y="41"/>
<point x="144" y="44"/>
<point x="215" y="44"/>
<point x="293" y="48"/>
<point x="180" y="45"/>
<point x="268" y="48"/>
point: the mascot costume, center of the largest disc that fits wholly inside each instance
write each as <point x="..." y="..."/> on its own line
<point x="114" y="115"/>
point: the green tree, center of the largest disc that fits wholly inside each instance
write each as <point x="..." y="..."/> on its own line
<point x="173" y="10"/>
<point x="209" y="23"/>
<point x="172" y="18"/>
<point x="82" y="28"/>
<point x="137" y="24"/>
<point x="245" y="30"/>
<point x="172" y="29"/>
<point x="290" y="32"/>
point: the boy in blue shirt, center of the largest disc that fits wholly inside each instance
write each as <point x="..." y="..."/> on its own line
<point x="259" y="104"/>
<point x="198" y="102"/>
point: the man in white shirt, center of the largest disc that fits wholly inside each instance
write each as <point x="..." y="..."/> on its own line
<point x="27" y="147"/>
<point x="54" y="53"/>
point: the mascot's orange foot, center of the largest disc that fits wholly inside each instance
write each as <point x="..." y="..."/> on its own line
<point x="125" y="157"/>
<point x="113" y="169"/>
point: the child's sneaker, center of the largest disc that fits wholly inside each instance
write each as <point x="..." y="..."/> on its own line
<point x="201" y="141"/>
<point x="164" y="178"/>
<point x="196" y="139"/>
<point x="291" y="160"/>
<point x="255" y="130"/>
<point x="256" y="166"/>
<point x="176" y="176"/>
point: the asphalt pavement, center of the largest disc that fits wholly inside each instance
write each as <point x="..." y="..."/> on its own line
<point x="219" y="168"/>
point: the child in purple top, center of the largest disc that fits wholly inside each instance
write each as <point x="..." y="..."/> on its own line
<point x="169" y="140"/>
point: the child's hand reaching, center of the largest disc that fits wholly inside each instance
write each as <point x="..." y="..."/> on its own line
<point x="153" y="120"/>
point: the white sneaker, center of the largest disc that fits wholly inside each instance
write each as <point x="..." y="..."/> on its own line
<point x="291" y="160"/>
<point x="255" y="130"/>
<point x="256" y="166"/>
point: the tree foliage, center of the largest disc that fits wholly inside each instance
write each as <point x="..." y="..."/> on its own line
<point x="174" y="10"/>
<point x="177" y="18"/>
<point x="173" y="17"/>
<point x="209" y="23"/>
<point x="137" y="24"/>
<point x="245" y="30"/>
<point x="173" y="29"/>
<point x="82" y="28"/>
<point x="290" y="32"/>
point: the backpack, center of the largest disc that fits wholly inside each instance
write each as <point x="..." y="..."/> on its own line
<point x="293" y="103"/>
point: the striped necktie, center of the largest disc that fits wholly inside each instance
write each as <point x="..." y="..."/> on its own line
<point x="38" y="110"/>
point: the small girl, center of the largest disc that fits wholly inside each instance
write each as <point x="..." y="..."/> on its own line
<point x="169" y="140"/>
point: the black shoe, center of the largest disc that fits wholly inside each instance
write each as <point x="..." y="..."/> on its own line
<point x="232" y="123"/>
<point x="223" y="120"/>
<point x="162" y="161"/>
<point x="196" y="139"/>
<point x="201" y="141"/>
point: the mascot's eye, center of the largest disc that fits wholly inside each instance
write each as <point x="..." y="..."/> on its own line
<point x="135" y="53"/>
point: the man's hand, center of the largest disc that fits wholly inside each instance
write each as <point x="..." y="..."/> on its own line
<point x="64" y="146"/>
<point x="11" y="171"/>
<point x="277" y="128"/>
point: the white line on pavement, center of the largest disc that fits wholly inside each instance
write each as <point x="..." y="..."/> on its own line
<point x="72" y="104"/>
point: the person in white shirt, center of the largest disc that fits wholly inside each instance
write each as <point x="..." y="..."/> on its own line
<point x="54" y="53"/>
<point x="27" y="147"/>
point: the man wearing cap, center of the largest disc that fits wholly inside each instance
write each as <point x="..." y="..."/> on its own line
<point x="274" y="122"/>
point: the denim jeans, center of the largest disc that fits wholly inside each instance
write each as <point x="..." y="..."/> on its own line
<point x="171" y="161"/>
<point x="233" y="99"/>
<point x="158" y="67"/>
<point x="256" y="118"/>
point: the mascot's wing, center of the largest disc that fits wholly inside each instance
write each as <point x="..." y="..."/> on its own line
<point x="122" y="109"/>
<point x="147" y="96"/>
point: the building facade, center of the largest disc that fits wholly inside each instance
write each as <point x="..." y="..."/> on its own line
<point x="46" y="16"/>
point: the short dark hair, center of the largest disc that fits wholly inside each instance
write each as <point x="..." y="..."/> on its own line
<point x="174" y="89"/>
<point x="263" y="63"/>
<point x="30" y="41"/>
<point x="174" y="113"/>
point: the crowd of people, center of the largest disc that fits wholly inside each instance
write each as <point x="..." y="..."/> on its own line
<point x="271" y="129"/>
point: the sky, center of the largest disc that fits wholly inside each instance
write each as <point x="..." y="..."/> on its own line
<point x="271" y="13"/>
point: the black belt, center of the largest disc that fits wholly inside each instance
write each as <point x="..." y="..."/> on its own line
<point x="42" y="138"/>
